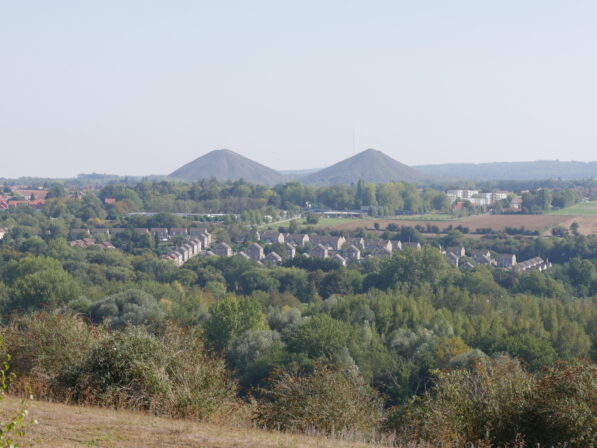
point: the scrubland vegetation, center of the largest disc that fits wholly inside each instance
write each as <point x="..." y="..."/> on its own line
<point x="399" y="350"/>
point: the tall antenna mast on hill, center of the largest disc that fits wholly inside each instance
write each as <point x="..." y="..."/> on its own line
<point x="354" y="145"/>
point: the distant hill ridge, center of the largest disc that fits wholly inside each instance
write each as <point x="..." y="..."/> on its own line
<point x="370" y="165"/>
<point x="537" y="170"/>
<point x="226" y="165"/>
<point x="374" y="166"/>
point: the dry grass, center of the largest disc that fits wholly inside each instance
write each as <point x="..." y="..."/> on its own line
<point x="62" y="426"/>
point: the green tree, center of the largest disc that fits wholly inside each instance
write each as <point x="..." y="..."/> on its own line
<point x="414" y="268"/>
<point x="132" y="307"/>
<point x="539" y="284"/>
<point x="312" y="219"/>
<point x="48" y="288"/>
<point x="319" y="336"/>
<point x="56" y="191"/>
<point x="534" y="351"/>
<point x="230" y="318"/>
<point x="341" y="281"/>
<point x="257" y="280"/>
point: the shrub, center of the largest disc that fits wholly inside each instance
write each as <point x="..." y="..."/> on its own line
<point x="201" y="385"/>
<point x="312" y="219"/>
<point x="167" y="375"/>
<point x="61" y="357"/>
<point x="485" y="403"/>
<point x="327" y="400"/>
<point x="564" y="408"/>
<point x="125" y="368"/>
<point x="11" y="429"/>
<point x="42" y="345"/>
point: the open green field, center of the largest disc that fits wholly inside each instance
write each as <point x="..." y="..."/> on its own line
<point x="584" y="214"/>
<point x="582" y="209"/>
<point x="332" y="222"/>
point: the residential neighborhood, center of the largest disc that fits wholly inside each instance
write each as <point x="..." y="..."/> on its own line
<point x="344" y="250"/>
<point x="458" y="257"/>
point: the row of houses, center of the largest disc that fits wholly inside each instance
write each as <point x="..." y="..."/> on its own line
<point x="35" y="198"/>
<point x="161" y="233"/>
<point x="254" y="252"/>
<point x="458" y="257"/>
<point x="331" y="243"/>
<point x="89" y="242"/>
<point x="339" y="248"/>
<point x="187" y="250"/>
<point x="536" y="263"/>
<point x="37" y="204"/>
<point x="196" y="242"/>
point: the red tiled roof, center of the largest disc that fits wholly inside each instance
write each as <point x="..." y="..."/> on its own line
<point x="38" y="203"/>
<point x="38" y="194"/>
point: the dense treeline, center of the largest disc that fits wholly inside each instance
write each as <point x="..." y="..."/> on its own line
<point x="213" y="196"/>
<point x="394" y="319"/>
<point x="406" y="344"/>
<point x="253" y="202"/>
<point x="275" y="325"/>
<point x="384" y="199"/>
<point x="586" y="186"/>
<point x="541" y="200"/>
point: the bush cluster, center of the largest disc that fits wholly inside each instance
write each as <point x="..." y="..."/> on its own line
<point x="495" y="402"/>
<point x="170" y="373"/>
<point x="328" y="399"/>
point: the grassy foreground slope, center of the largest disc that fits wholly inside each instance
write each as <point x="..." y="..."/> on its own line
<point x="62" y="426"/>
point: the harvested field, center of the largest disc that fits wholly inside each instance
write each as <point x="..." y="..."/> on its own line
<point x="588" y="224"/>
<point x="541" y="223"/>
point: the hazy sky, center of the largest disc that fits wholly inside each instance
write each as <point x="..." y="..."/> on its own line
<point x="140" y="87"/>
